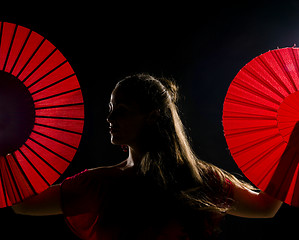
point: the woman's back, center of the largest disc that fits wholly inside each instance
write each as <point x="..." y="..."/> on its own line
<point x="118" y="204"/>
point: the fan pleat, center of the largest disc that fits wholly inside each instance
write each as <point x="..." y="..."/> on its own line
<point x="31" y="45"/>
<point x="36" y="68"/>
<point x="18" y="179"/>
<point x="266" y="65"/>
<point x="38" y="181"/>
<point x="26" y="186"/>
<point x="74" y="111"/>
<point x="57" y="162"/>
<point x="19" y="53"/>
<point x="42" y="165"/>
<point x="17" y="44"/>
<point x="71" y="125"/>
<point x="3" y="201"/>
<point x="7" y="36"/>
<point x="234" y="115"/>
<point x="66" y="138"/>
<point x="28" y="60"/>
<point x="251" y="75"/>
<point x="13" y="194"/>
<point x="61" y="150"/>
<point x="77" y="90"/>
<point x="9" y="49"/>
<point x="284" y="68"/>
<point x="40" y="55"/>
<point x="252" y="90"/>
<point x="5" y="186"/>
<point x="69" y="78"/>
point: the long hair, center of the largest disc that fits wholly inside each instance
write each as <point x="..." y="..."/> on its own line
<point x="169" y="159"/>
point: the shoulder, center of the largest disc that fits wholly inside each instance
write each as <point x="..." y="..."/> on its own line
<point x="99" y="174"/>
<point x="113" y="170"/>
<point x="102" y="172"/>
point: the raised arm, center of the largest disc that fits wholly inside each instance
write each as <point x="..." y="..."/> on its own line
<point x="45" y="203"/>
<point x="250" y="204"/>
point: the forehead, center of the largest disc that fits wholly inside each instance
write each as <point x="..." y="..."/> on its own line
<point x="119" y="96"/>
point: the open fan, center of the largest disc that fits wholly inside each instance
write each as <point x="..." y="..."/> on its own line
<point x="260" y="111"/>
<point x="41" y="113"/>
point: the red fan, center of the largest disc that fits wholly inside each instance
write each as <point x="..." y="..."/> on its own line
<point x="260" y="111"/>
<point x="41" y="113"/>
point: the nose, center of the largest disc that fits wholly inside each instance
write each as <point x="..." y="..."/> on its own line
<point x="110" y="117"/>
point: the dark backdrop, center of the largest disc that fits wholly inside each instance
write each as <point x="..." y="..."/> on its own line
<point x="202" y="46"/>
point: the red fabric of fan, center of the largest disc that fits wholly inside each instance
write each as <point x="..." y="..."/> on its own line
<point x="260" y="111"/>
<point x="41" y="113"/>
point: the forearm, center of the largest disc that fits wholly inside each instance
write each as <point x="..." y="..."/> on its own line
<point x="251" y="204"/>
<point x="45" y="203"/>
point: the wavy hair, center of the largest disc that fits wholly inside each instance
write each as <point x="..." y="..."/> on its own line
<point x="169" y="159"/>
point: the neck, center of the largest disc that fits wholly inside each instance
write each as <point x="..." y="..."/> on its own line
<point x="135" y="156"/>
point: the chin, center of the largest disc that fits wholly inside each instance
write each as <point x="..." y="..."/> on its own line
<point x="116" y="141"/>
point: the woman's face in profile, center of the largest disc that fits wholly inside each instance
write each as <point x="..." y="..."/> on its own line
<point x="125" y="118"/>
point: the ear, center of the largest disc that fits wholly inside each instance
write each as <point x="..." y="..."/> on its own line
<point x="153" y="117"/>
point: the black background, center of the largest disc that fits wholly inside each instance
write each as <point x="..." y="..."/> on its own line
<point x="202" y="46"/>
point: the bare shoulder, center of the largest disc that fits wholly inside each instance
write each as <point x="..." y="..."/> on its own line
<point x="117" y="168"/>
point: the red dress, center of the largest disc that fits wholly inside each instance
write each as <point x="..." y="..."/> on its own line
<point x="112" y="204"/>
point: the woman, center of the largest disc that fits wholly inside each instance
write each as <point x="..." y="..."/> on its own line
<point x="162" y="190"/>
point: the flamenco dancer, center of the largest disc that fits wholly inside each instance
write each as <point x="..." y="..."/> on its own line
<point x="162" y="190"/>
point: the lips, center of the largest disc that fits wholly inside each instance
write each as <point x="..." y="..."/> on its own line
<point x="113" y="130"/>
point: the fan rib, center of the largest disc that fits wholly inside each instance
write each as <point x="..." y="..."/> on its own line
<point x="59" y="94"/>
<point x="67" y="118"/>
<point x="59" y="81"/>
<point x="21" y="51"/>
<point x="32" y="165"/>
<point x="13" y="183"/>
<point x="48" y="73"/>
<point x="48" y="164"/>
<point x="248" y="130"/>
<point x="29" y="59"/>
<point x="54" y="139"/>
<point x="39" y="65"/>
<point x="246" y="116"/>
<point x="23" y="173"/>
<point x="251" y="72"/>
<point x="57" y="128"/>
<point x="272" y="73"/>
<point x="63" y="158"/>
<point x="10" y="46"/>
